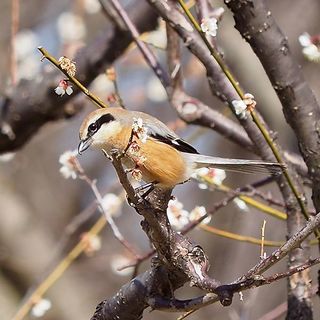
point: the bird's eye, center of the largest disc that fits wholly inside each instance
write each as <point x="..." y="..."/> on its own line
<point x="93" y="127"/>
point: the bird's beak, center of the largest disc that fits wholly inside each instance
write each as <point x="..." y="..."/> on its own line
<point x="84" y="145"/>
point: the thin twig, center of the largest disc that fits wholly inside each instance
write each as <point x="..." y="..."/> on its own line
<point x="146" y="52"/>
<point x="240" y="238"/>
<point x="74" y="80"/>
<point x="194" y="304"/>
<point x="263" y="241"/>
<point x="247" y="199"/>
<point x="116" y="232"/>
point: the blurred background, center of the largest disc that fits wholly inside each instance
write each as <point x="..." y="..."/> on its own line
<point x="37" y="203"/>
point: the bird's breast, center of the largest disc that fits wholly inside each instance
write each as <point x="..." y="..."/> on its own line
<point x="160" y="163"/>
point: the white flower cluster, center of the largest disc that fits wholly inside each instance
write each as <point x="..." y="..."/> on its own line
<point x="179" y="217"/>
<point x="240" y="204"/>
<point x="63" y="88"/>
<point x="40" y="308"/>
<point x="68" y="169"/>
<point x="242" y="106"/>
<point x="117" y="262"/>
<point x="209" y="26"/>
<point x="140" y="130"/>
<point x="111" y="203"/>
<point x="68" y="65"/>
<point x="309" y="49"/>
<point x="91" y="242"/>
<point x="71" y="27"/>
<point x="239" y="108"/>
<point x="209" y="176"/>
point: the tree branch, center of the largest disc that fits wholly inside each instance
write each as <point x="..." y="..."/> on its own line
<point x="300" y="107"/>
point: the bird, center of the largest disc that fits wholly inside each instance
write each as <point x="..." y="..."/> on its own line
<point x="150" y="148"/>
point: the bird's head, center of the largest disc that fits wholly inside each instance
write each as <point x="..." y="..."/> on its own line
<point x="97" y="129"/>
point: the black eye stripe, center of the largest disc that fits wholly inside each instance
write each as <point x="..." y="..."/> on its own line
<point x="104" y="119"/>
<point x="95" y="126"/>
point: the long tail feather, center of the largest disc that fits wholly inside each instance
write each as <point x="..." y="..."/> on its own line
<point x="237" y="165"/>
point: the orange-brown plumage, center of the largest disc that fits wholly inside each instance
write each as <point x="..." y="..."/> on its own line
<point x="163" y="164"/>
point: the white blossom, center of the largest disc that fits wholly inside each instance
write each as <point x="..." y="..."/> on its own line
<point x="118" y="261"/>
<point x="209" y="26"/>
<point x="239" y="108"/>
<point x="199" y="212"/>
<point x="25" y="41"/>
<point x="68" y="65"/>
<point x="249" y="101"/>
<point x="137" y="124"/>
<point x="178" y="217"/>
<point x="201" y="172"/>
<point x="240" y="204"/>
<point x="68" y="169"/>
<point x="140" y="130"/>
<point x="63" y="88"/>
<point x="310" y="50"/>
<point x="27" y="58"/>
<point x="305" y="39"/>
<point x="92" y="243"/>
<point x="218" y="176"/>
<point x="209" y="175"/>
<point x="312" y="53"/>
<point x="111" y="203"/>
<point x="71" y="27"/>
<point x="40" y="308"/>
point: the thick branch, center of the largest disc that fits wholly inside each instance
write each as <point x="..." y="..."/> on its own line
<point x="177" y="252"/>
<point x="257" y="25"/>
<point x="142" y="287"/>
<point x="290" y="187"/>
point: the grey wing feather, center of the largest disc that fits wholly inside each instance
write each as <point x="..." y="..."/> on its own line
<point x="160" y="132"/>
<point x="159" y="128"/>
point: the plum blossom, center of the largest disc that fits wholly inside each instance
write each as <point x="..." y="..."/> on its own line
<point x="118" y="261"/>
<point x="92" y="243"/>
<point x="240" y="204"/>
<point x="139" y="129"/>
<point x="210" y="175"/>
<point x="209" y="26"/>
<point x="68" y="65"/>
<point x="310" y="46"/>
<point x="178" y="217"/>
<point x="240" y="108"/>
<point x="67" y="160"/>
<point x="63" y="88"/>
<point x="111" y="203"/>
<point x="71" y="27"/>
<point x="197" y="213"/>
<point x="40" y="308"/>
